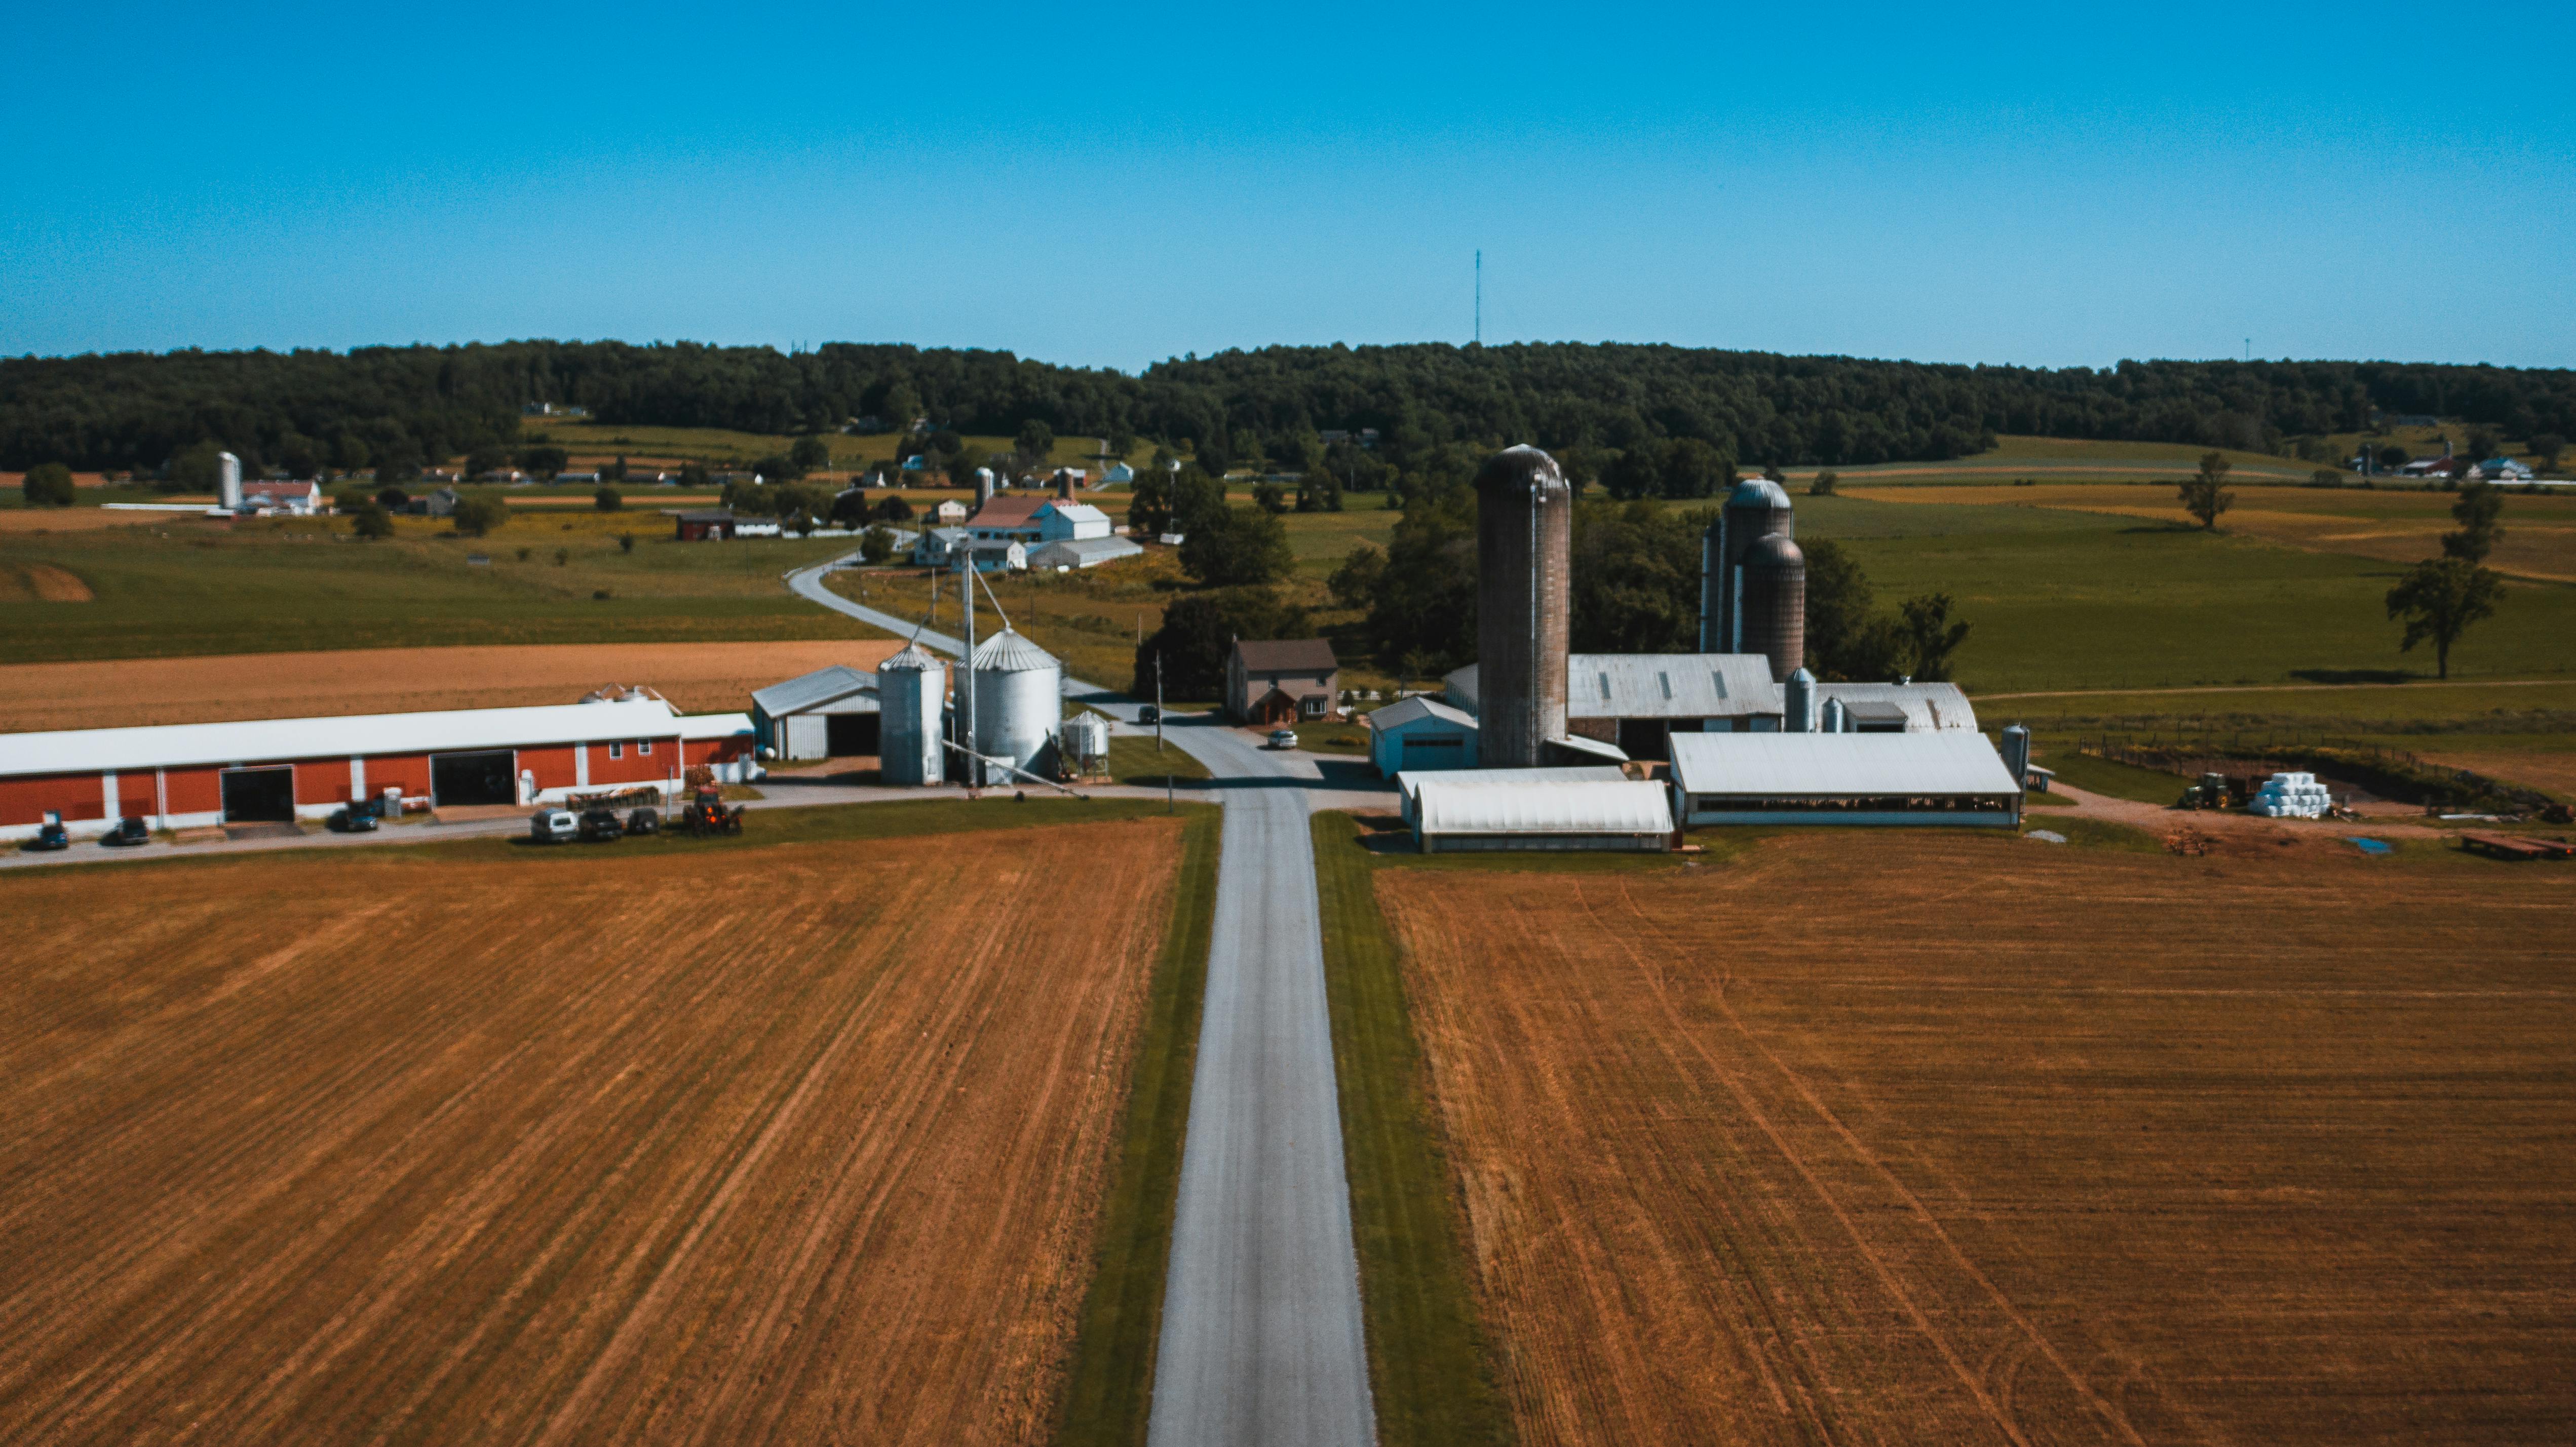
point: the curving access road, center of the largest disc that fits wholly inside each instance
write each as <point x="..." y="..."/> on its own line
<point x="1262" y="1341"/>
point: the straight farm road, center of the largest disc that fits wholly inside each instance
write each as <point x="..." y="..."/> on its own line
<point x="1262" y="1343"/>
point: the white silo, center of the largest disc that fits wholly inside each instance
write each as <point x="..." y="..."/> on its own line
<point x="228" y="482"/>
<point x="912" y="692"/>
<point x="1019" y="705"/>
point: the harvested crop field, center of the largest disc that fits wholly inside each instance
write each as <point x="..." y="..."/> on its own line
<point x="747" y="1145"/>
<point x="1860" y="1138"/>
<point x="695" y="677"/>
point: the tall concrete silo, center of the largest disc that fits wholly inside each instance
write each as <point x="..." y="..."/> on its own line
<point x="1798" y="703"/>
<point x="1019" y="705"/>
<point x="228" y="491"/>
<point x="1757" y="508"/>
<point x="983" y="487"/>
<point x="912" y="693"/>
<point x="1524" y="555"/>
<point x="1773" y="603"/>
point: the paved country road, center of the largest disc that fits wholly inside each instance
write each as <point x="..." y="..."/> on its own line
<point x="1262" y="1342"/>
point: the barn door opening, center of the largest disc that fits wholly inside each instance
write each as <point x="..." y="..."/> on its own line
<point x="849" y="735"/>
<point x="485" y="778"/>
<point x="260" y="796"/>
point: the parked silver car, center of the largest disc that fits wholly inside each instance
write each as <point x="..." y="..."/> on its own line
<point x="554" y="826"/>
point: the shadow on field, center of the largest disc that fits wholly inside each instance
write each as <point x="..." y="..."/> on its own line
<point x="2354" y="675"/>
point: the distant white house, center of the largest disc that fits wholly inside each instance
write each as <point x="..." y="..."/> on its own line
<point x="941" y="547"/>
<point x="1061" y="521"/>
<point x="949" y="513"/>
<point x="302" y="499"/>
<point x="1118" y="472"/>
<point x="2501" y="469"/>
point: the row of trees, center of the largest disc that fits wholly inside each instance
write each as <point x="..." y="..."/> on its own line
<point x="1613" y="410"/>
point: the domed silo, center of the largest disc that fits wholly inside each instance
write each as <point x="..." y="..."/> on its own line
<point x="1773" y="600"/>
<point x="1758" y="508"/>
<point x="1019" y="705"/>
<point x="912" y="693"/>
<point x="1524" y="554"/>
<point x="1798" y="703"/>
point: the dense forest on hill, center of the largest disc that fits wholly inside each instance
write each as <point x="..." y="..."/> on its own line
<point x="318" y="408"/>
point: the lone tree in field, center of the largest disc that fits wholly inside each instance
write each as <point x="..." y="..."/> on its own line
<point x="2476" y="513"/>
<point x="2438" y="599"/>
<point x="48" y="484"/>
<point x="2205" y="495"/>
<point x="1930" y="637"/>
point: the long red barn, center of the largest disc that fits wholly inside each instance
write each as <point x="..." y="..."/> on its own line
<point x="180" y="776"/>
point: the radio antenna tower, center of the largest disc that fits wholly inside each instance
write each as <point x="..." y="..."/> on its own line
<point x="1480" y="296"/>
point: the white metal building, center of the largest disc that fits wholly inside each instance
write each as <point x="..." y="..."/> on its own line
<point x="1948" y="777"/>
<point x="1082" y="553"/>
<point x="1062" y="521"/>
<point x="1509" y="810"/>
<point x="829" y="713"/>
<point x="1409" y="783"/>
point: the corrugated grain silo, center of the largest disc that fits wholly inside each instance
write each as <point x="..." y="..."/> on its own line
<point x="1773" y="602"/>
<point x="1524" y="555"/>
<point x="912" y="693"/>
<point x="1019" y="705"/>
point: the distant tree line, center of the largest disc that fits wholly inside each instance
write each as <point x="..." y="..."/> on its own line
<point x="1638" y="420"/>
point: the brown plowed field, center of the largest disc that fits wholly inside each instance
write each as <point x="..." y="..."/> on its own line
<point x="695" y="677"/>
<point x="1910" y="1140"/>
<point x="788" y="1145"/>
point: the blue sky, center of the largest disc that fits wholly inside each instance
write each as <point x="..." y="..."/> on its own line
<point x="1113" y="186"/>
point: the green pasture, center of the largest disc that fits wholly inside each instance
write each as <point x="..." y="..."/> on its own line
<point x="182" y="587"/>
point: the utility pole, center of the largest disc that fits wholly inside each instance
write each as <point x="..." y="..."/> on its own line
<point x="1480" y="296"/>
<point x="1158" y="730"/>
<point x="966" y="590"/>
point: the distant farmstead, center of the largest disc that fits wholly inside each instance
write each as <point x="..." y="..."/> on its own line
<point x="704" y="525"/>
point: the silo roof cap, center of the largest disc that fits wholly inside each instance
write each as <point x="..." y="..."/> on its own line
<point x="910" y="659"/>
<point x="1010" y="652"/>
<point x="1773" y="550"/>
<point x="1521" y="470"/>
<point x="1758" y="492"/>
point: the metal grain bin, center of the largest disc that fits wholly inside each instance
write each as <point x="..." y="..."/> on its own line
<point x="1524" y="552"/>
<point x="1756" y="509"/>
<point x="1775" y="603"/>
<point x="912" y="693"/>
<point x="1019" y="705"/>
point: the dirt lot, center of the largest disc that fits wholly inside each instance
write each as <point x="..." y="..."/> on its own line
<point x="1859" y="1138"/>
<point x="695" y="677"/>
<point x="746" y="1146"/>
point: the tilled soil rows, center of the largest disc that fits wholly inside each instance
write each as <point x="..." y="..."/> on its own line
<point x="1877" y="1139"/>
<point x="790" y="1145"/>
<point x="695" y="677"/>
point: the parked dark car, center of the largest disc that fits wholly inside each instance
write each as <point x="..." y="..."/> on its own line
<point x="1149" y="714"/>
<point x="601" y="826"/>
<point x="644" y="821"/>
<point x="51" y="837"/>
<point x="129" y="831"/>
<point x="353" y="819"/>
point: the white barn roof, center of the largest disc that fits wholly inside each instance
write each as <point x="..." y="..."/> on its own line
<point x="1076" y="512"/>
<point x="1796" y="766"/>
<point x="1083" y="552"/>
<point x="1409" y="780"/>
<point x="1415" y="710"/>
<point x="698" y="727"/>
<point x="1928" y="707"/>
<point x="1570" y="807"/>
<point x="77" y="751"/>
<point x="811" y="690"/>
<point x="1669" y="685"/>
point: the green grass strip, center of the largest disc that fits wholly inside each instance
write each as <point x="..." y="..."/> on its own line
<point x="1109" y="1386"/>
<point x="1427" y="1361"/>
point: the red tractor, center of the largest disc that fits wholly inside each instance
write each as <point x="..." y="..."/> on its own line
<point x="707" y="814"/>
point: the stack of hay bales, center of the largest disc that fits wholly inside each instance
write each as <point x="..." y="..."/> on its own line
<point x="2291" y="796"/>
